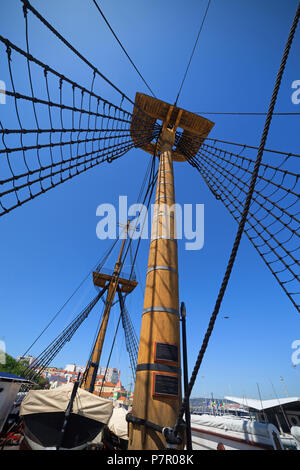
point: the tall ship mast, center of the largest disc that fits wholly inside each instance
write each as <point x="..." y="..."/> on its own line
<point x="157" y="393"/>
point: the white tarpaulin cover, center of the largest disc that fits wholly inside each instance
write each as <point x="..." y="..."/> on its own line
<point x="246" y="428"/>
<point x="295" y="432"/>
<point x="118" y="424"/>
<point x="56" y="400"/>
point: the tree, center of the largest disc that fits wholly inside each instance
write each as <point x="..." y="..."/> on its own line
<point x="12" y="366"/>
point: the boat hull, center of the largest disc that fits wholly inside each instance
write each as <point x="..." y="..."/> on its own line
<point x="43" y="430"/>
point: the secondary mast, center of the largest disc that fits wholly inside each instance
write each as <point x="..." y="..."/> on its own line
<point x="112" y="283"/>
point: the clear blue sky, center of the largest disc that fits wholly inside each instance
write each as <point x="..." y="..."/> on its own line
<point x="50" y="244"/>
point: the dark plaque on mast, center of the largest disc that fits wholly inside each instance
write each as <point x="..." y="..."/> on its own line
<point x="166" y="353"/>
<point x="165" y="385"/>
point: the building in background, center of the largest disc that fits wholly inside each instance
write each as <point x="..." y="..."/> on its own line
<point x="56" y="381"/>
<point x="112" y="374"/>
<point x="28" y="360"/>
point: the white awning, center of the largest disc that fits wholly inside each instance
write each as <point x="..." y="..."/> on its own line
<point x="56" y="400"/>
<point x="264" y="404"/>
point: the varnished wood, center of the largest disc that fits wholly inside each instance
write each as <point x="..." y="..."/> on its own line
<point x="158" y="325"/>
<point x="160" y="320"/>
<point x="126" y="285"/>
<point x="148" y="110"/>
<point x="112" y="282"/>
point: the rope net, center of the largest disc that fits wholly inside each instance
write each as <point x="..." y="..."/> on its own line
<point x="131" y="339"/>
<point x="273" y="221"/>
<point x="51" y="351"/>
<point x="56" y="128"/>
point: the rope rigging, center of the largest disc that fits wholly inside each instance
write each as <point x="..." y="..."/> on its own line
<point x="28" y="6"/>
<point x="250" y="114"/>
<point x="50" y="352"/>
<point x="190" y="60"/>
<point x="84" y="129"/>
<point x="272" y="223"/>
<point x="243" y="218"/>
<point x="97" y="267"/>
<point x="131" y="339"/>
<point x="122" y="47"/>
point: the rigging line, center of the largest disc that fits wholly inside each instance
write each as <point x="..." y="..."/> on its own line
<point x="110" y="354"/>
<point x="265" y="229"/>
<point x="59" y="36"/>
<point x="243" y="217"/>
<point x="228" y="176"/>
<point x="247" y="231"/>
<point x="65" y="143"/>
<point x="71" y="296"/>
<point x="93" y="161"/>
<point x="95" y="335"/>
<point x="250" y="114"/>
<point x="189" y="63"/>
<point x="231" y="177"/>
<point x="73" y="129"/>
<point x="238" y="168"/>
<point x="62" y="170"/>
<point x="149" y="192"/>
<point x="288" y="154"/>
<point x="261" y="206"/>
<point x="48" y="69"/>
<point x="122" y="47"/>
<point x="150" y="188"/>
<point x="19" y="96"/>
<point x="244" y="159"/>
<point x="58" y="343"/>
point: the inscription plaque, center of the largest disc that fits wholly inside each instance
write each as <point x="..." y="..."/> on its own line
<point x="165" y="385"/>
<point x="166" y="353"/>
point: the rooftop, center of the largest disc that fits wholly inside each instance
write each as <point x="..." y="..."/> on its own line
<point x="260" y="405"/>
<point x="12" y="378"/>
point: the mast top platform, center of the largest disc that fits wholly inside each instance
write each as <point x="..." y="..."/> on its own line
<point x="147" y="110"/>
<point x="102" y="280"/>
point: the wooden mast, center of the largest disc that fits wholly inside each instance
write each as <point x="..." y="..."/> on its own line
<point x="158" y="384"/>
<point x="112" y="283"/>
<point x="157" y="393"/>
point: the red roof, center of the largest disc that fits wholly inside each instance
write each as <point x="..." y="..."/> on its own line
<point x="104" y="394"/>
<point x="109" y="384"/>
